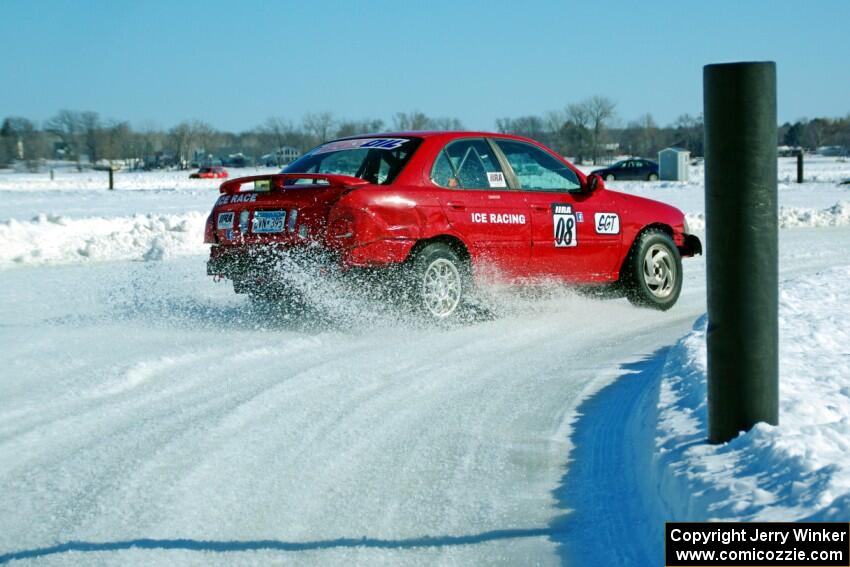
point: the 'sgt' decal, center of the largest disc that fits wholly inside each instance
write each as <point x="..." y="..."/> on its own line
<point x="606" y="223"/>
<point x="564" y="223"/>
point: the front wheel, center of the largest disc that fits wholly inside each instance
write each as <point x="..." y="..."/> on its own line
<point x="609" y="178"/>
<point x="653" y="177"/>
<point x="652" y="275"/>
<point x="439" y="282"/>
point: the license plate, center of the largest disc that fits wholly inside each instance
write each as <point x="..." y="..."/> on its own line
<point x="225" y="221"/>
<point x="268" y="221"/>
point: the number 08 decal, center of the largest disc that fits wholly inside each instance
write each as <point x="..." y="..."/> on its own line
<point x="564" y="222"/>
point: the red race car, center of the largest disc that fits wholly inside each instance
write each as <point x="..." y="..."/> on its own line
<point x="444" y="210"/>
<point x="215" y="172"/>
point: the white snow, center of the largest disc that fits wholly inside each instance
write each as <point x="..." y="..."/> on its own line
<point x="794" y="471"/>
<point x="790" y="217"/>
<point x="49" y="239"/>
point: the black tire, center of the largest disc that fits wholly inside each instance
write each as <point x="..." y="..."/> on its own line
<point x="437" y="271"/>
<point x="652" y="177"/>
<point x="653" y="251"/>
<point x="609" y="177"/>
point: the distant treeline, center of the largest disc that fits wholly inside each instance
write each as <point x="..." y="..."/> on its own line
<point x="586" y="130"/>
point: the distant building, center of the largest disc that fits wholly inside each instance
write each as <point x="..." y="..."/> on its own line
<point x="281" y="156"/>
<point x="236" y="160"/>
<point x="673" y="164"/>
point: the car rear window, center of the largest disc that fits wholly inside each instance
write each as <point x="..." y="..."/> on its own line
<point x="377" y="160"/>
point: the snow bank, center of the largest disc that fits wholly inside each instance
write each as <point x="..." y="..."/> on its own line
<point x="49" y="239"/>
<point x="89" y="180"/>
<point x="797" y="470"/>
<point x="791" y="217"/>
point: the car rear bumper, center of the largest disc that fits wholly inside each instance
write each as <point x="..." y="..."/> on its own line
<point x="240" y="262"/>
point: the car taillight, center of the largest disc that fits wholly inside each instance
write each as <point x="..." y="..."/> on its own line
<point x="209" y="233"/>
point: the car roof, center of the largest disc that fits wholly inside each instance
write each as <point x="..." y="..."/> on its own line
<point x="447" y="134"/>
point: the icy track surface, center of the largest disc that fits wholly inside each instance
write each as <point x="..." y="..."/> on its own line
<point x="157" y="417"/>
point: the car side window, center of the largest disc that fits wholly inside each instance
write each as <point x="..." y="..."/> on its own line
<point x="468" y="164"/>
<point x="536" y="169"/>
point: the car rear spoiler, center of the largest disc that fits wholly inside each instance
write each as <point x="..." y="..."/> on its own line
<point x="279" y="180"/>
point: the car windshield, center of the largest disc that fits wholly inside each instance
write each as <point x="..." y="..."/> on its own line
<point x="376" y="160"/>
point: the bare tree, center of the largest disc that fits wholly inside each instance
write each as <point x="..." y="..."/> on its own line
<point x="409" y="121"/>
<point x="640" y="136"/>
<point x="357" y="127"/>
<point x="445" y="123"/>
<point x="688" y="133"/>
<point x="180" y="139"/>
<point x="90" y="128"/>
<point x="205" y="137"/>
<point x="66" y="126"/>
<point x="21" y="140"/>
<point x="115" y="140"/>
<point x="280" y="132"/>
<point x="576" y="130"/>
<point x="600" y="110"/>
<point x="319" y="125"/>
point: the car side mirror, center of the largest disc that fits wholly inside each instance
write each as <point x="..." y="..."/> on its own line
<point x="593" y="183"/>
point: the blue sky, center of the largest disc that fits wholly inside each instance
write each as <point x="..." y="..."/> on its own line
<point x="235" y="63"/>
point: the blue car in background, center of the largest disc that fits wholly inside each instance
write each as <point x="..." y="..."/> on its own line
<point x="630" y="169"/>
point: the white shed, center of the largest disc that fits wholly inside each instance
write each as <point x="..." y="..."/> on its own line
<point x="673" y="164"/>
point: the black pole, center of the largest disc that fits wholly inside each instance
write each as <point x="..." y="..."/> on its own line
<point x="799" y="166"/>
<point x="741" y="247"/>
<point x="111" y="184"/>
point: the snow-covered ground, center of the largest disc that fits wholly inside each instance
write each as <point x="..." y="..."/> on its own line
<point x="149" y="415"/>
<point x="797" y="470"/>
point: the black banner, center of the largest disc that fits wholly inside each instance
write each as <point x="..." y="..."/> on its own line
<point x="762" y="544"/>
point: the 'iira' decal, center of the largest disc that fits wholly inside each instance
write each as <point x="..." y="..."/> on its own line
<point x="496" y="179"/>
<point x="225" y="221"/>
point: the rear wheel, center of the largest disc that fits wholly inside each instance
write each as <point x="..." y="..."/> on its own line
<point x="652" y="275"/>
<point x="439" y="282"/>
<point x="653" y="177"/>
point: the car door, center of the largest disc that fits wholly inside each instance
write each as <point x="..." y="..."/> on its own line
<point x="572" y="232"/>
<point x="479" y="205"/>
<point x="627" y="170"/>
